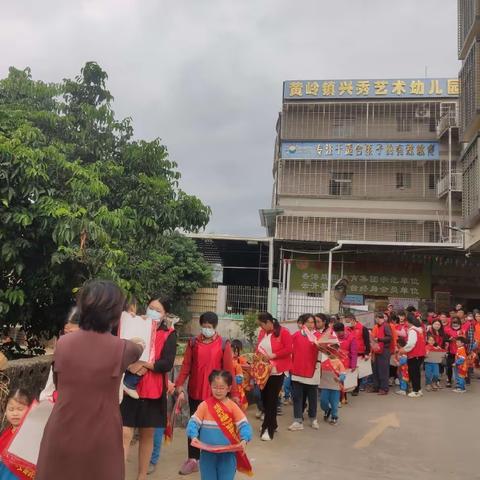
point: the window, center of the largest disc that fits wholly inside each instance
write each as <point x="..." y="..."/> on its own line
<point x="403" y="236"/>
<point x="404" y="180"/>
<point x="404" y="123"/>
<point x="431" y="181"/>
<point x="341" y="184"/>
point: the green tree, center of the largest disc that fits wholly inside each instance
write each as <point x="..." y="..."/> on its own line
<point x="80" y="198"/>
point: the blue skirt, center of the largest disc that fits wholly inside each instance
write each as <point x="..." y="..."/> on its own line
<point x="5" y="473"/>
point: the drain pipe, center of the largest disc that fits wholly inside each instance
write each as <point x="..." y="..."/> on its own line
<point x="329" y="280"/>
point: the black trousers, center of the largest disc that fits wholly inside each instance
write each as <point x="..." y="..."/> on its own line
<point x="270" y="394"/>
<point x="192" y="451"/>
<point x="301" y="393"/>
<point x="414" y="371"/>
<point x="450" y="362"/>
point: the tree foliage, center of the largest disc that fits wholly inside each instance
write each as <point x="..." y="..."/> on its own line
<point x="81" y="198"/>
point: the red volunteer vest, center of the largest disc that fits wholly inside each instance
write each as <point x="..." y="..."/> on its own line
<point x="419" y="349"/>
<point x="345" y="343"/>
<point x="358" y="331"/>
<point x="206" y="357"/>
<point x="305" y="356"/>
<point x="151" y="384"/>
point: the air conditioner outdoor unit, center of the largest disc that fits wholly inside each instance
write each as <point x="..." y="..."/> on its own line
<point x="422" y="112"/>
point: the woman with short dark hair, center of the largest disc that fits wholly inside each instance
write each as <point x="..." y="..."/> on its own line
<point x="88" y="367"/>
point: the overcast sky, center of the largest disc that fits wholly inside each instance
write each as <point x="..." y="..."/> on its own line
<point x="206" y="75"/>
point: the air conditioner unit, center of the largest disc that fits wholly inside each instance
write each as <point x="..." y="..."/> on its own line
<point x="422" y="112"/>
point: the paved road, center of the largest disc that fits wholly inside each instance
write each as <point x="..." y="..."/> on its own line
<point x="437" y="439"/>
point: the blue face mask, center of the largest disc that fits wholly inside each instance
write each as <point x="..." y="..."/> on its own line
<point x="153" y="314"/>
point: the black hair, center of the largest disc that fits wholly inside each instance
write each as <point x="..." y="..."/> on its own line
<point x="303" y="319"/>
<point x="130" y="301"/>
<point x="394" y="318"/>
<point x="226" y="376"/>
<point x="461" y="339"/>
<point x="441" y="330"/>
<point x="100" y="304"/>
<point x="379" y="314"/>
<point x="430" y="335"/>
<point x="339" y="327"/>
<point x="413" y="320"/>
<point x="265" y="317"/>
<point x="209" y="317"/>
<point x="325" y="319"/>
<point x="411" y="309"/>
<point x="350" y="316"/>
<point x="401" y="341"/>
<point x="444" y="313"/>
<point x="237" y="346"/>
<point x="166" y="302"/>
<point x="21" y="395"/>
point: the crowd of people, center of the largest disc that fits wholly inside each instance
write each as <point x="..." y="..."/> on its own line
<point x="307" y="368"/>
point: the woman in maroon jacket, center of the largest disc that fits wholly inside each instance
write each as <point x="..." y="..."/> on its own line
<point x="275" y="342"/>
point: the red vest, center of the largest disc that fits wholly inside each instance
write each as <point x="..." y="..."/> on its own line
<point x="305" y="356"/>
<point x="206" y="357"/>
<point x="151" y="384"/>
<point x="345" y="344"/>
<point x="358" y="331"/>
<point x="379" y="332"/>
<point x="419" y="349"/>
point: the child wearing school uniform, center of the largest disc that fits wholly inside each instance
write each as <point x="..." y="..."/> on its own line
<point x="331" y="366"/>
<point x="219" y="421"/>
<point x="402" y="361"/>
<point x="460" y="368"/>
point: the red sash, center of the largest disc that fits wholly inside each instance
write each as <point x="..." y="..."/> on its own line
<point x="224" y="419"/>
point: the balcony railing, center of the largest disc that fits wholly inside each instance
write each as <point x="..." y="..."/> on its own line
<point x="442" y="185"/>
<point x="334" y="229"/>
<point x="446" y="121"/>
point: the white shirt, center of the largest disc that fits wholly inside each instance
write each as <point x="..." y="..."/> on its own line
<point x="266" y="346"/>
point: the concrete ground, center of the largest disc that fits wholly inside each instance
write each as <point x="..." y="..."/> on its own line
<point x="430" y="438"/>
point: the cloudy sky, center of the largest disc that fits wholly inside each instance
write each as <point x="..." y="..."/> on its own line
<point x="206" y="75"/>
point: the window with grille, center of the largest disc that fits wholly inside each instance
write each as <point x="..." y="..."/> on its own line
<point x="403" y="236"/>
<point x="404" y="124"/>
<point x="341" y="183"/>
<point x="431" y="181"/>
<point x="404" y="180"/>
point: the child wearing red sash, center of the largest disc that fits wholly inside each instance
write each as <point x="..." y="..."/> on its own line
<point x="239" y="361"/>
<point x="18" y="403"/>
<point x="219" y="421"/>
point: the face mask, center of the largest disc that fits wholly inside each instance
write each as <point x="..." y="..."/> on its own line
<point x="455" y="327"/>
<point x="349" y="325"/>
<point x="153" y="314"/>
<point x="208" y="332"/>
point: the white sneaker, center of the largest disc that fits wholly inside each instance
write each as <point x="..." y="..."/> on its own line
<point x="314" y="424"/>
<point x="458" y="390"/>
<point x="401" y="392"/>
<point x="258" y="414"/>
<point x="265" y="437"/>
<point x="420" y="393"/>
<point x="295" y="426"/>
<point x="414" y="394"/>
<point x="397" y="381"/>
<point x="131" y="392"/>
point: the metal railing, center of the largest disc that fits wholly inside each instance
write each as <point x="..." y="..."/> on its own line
<point x="442" y="185"/>
<point x="244" y="298"/>
<point x="333" y="229"/>
<point x="450" y="119"/>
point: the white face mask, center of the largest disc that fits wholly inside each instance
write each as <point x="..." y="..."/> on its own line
<point x="208" y="332"/>
<point x="153" y="314"/>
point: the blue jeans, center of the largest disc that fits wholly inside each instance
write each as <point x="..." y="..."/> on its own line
<point x="329" y="400"/>
<point x="157" y="445"/>
<point x="432" y="372"/>
<point x="459" y="381"/>
<point x="287" y="386"/>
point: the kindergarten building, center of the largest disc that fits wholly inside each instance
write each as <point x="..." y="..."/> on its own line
<point x="367" y="186"/>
